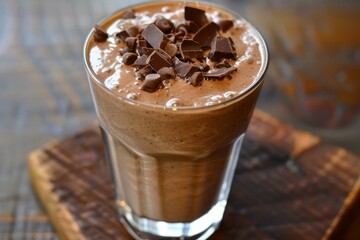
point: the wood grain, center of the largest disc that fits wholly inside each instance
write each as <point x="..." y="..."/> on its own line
<point x="288" y="185"/>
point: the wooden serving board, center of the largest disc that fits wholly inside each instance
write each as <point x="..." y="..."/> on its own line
<point x="288" y="185"/>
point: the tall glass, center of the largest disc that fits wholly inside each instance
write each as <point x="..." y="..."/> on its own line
<point x="172" y="167"/>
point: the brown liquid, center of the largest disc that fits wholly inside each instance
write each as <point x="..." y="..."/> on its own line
<point x="169" y="162"/>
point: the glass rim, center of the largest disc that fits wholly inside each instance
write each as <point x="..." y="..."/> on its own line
<point x="256" y="82"/>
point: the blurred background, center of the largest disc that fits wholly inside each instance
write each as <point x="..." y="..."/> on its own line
<point x="313" y="82"/>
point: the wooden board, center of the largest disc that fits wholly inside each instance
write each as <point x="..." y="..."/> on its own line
<point x="288" y="185"/>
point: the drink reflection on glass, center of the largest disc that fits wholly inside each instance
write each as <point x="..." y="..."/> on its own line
<point x="174" y="98"/>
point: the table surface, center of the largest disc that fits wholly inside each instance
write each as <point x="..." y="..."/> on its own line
<point x="44" y="95"/>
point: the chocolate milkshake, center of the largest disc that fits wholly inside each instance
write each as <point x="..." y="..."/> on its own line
<point x="174" y="85"/>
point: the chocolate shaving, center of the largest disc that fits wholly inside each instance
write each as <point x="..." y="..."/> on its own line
<point x="140" y="62"/>
<point x="206" y="34"/>
<point x="171" y="49"/>
<point x="152" y="82"/>
<point x="155" y="37"/>
<point x="140" y="46"/>
<point x="100" y="34"/>
<point x="190" y="49"/>
<point x="202" y="66"/>
<point x="157" y="61"/>
<point x="196" y="78"/>
<point x="171" y="37"/>
<point x="132" y="31"/>
<point x="222" y="47"/>
<point x="184" y="70"/>
<point x="154" y="50"/>
<point x="128" y="15"/>
<point x="196" y="15"/>
<point x="167" y="73"/>
<point x="225" y="25"/>
<point x="222" y="63"/>
<point x="181" y="31"/>
<point x="148" y="51"/>
<point x="131" y="42"/>
<point x="129" y="58"/>
<point x="143" y="72"/>
<point x="124" y="50"/>
<point x="123" y="35"/>
<point x="221" y="73"/>
<point x="165" y="25"/>
<point x="192" y="27"/>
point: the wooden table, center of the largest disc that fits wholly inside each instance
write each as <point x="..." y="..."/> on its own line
<point x="44" y="95"/>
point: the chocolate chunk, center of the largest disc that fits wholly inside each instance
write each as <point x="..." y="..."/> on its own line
<point x="132" y="31"/>
<point x="143" y="72"/>
<point x="221" y="73"/>
<point x="180" y="36"/>
<point x="171" y="37"/>
<point x="100" y="34"/>
<point x="124" y="50"/>
<point x="131" y="42"/>
<point x="192" y="27"/>
<point x="190" y="49"/>
<point x="226" y="25"/>
<point x="221" y="47"/>
<point x="184" y="70"/>
<point x="140" y="62"/>
<point x="196" y="15"/>
<point x="171" y="49"/>
<point x="167" y="73"/>
<point x="157" y="61"/>
<point x="129" y="14"/>
<point x="206" y="34"/>
<point x="222" y="63"/>
<point x="148" y="51"/>
<point x="155" y="37"/>
<point x="152" y="82"/>
<point x="182" y="27"/>
<point x="140" y="45"/>
<point x="129" y="58"/>
<point x="165" y="25"/>
<point x="175" y="61"/>
<point x="196" y="78"/>
<point x="202" y="66"/>
<point x="123" y="35"/>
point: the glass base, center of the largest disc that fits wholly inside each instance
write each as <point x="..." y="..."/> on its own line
<point x="144" y="228"/>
